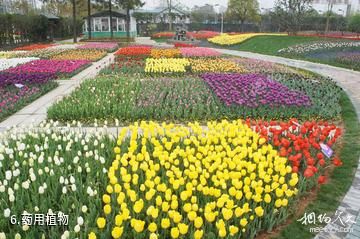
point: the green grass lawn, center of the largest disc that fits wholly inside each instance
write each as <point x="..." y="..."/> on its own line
<point x="271" y="44"/>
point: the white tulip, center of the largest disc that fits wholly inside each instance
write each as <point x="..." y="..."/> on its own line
<point x="72" y="179"/>
<point x="80" y="220"/>
<point x="61" y="180"/>
<point x="76" y="160"/>
<point x="46" y="169"/>
<point x="77" y="228"/>
<point x="16" y="186"/>
<point x="41" y="190"/>
<point x="84" y="209"/>
<point x="2" y="188"/>
<point x="32" y="177"/>
<point x="2" y="157"/>
<point x="36" y="209"/>
<point x="8" y="174"/>
<point x="2" y="235"/>
<point x="12" y="198"/>
<point x="16" y="172"/>
<point x="25" y="227"/>
<point x="64" y="190"/>
<point x="17" y="236"/>
<point x="41" y="159"/>
<point x="79" y="169"/>
<point x="7" y="212"/>
<point x="73" y="187"/>
<point x="40" y="171"/>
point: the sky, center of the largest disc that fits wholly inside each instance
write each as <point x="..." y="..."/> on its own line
<point x="191" y="3"/>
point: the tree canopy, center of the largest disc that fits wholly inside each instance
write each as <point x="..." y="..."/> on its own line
<point x="243" y="10"/>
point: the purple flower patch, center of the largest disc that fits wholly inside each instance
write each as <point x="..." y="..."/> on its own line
<point x="253" y="90"/>
<point x="8" y="78"/>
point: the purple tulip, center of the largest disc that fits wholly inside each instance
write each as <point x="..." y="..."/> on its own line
<point x="253" y="90"/>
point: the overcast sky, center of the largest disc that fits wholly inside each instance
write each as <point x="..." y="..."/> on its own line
<point x="191" y="3"/>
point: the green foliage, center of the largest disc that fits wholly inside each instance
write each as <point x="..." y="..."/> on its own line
<point x="19" y="29"/>
<point x="183" y="99"/>
<point x="243" y="10"/>
<point x="291" y="13"/>
<point x="354" y="23"/>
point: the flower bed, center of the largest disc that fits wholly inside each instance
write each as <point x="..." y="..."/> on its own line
<point x="33" y="47"/>
<point x="49" y="171"/>
<point x="227" y="39"/>
<point x="80" y="54"/>
<point x="182" y="99"/>
<point x="253" y="90"/>
<point x="198" y="52"/>
<point x="129" y="66"/>
<point x="11" y="54"/>
<point x="166" y="65"/>
<point x="179" y="44"/>
<point x="50" y="66"/>
<point x="8" y="63"/>
<point x="324" y="45"/>
<point x="259" y="66"/>
<point x="202" y="34"/>
<point x="300" y="143"/>
<point x="349" y="58"/>
<point x="165" y="53"/>
<point x="134" y="51"/>
<point x="13" y="98"/>
<point x="9" y="78"/>
<point x="192" y="190"/>
<point x="108" y="46"/>
<point x="163" y="35"/>
<point x="44" y="53"/>
<point x="214" y="65"/>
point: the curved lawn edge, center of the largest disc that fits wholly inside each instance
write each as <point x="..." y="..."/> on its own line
<point x="330" y="195"/>
<point x="270" y="48"/>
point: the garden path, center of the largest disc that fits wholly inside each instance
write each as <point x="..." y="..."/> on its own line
<point x="36" y="111"/>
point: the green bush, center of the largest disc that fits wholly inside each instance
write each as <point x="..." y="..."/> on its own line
<point x="354" y="23"/>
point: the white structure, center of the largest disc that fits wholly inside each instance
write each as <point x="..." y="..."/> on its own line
<point x="100" y="24"/>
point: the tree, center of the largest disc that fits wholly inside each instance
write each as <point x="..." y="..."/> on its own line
<point x="328" y="14"/>
<point x="89" y="18"/>
<point x="291" y="13"/>
<point x="354" y="23"/>
<point x="129" y="5"/>
<point x="73" y="2"/>
<point x="243" y="10"/>
<point x="202" y="14"/>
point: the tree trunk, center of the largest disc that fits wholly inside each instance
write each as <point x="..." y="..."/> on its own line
<point x="330" y="7"/>
<point x="74" y="21"/>
<point x="127" y="23"/>
<point x="89" y="19"/>
<point x="110" y="13"/>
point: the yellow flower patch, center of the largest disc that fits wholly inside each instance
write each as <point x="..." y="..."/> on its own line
<point x="80" y="54"/>
<point x="214" y="65"/>
<point x="163" y="65"/>
<point x="177" y="181"/>
<point x="226" y="39"/>
<point x="165" y="53"/>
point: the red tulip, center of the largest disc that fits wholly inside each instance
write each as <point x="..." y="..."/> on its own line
<point x="308" y="173"/>
<point x="337" y="162"/>
<point x="321" y="179"/>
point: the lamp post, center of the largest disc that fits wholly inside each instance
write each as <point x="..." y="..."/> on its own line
<point x="222" y="18"/>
